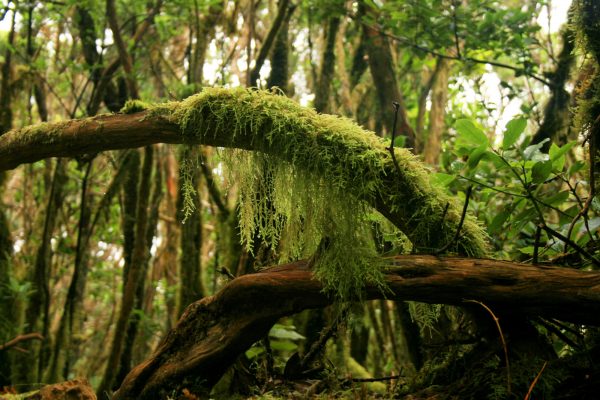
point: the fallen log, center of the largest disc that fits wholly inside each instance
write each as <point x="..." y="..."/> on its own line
<point x="215" y="330"/>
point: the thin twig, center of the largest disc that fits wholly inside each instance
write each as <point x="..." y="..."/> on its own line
<point x="497" y="321"/>
<point x="553" y="329"/>
<point x="383" y="378"/>
<point x="536" y="245"/>
<point x="20" y="338"/>
<point x="460" y="224"/>
<point x="391" y="148"/>
<point x="537" y="378"/>
<point x="491" y="187"/>
<point x="571" y="243"/>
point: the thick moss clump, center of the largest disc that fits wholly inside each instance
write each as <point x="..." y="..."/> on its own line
<point x="351" y="159"/>
<point x="327" y="173"/>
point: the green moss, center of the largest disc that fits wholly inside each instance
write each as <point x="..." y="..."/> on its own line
<point x="134" y="106"/>
<point x="326" y="173"/>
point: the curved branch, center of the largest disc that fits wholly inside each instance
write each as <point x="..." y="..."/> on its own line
<point x="354" y="160"/>
<point x="215" y="330"/>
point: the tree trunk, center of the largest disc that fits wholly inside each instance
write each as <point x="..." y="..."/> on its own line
<point x="39" y="302"/>
<point x="139" y="257"/>
<point x="439" y="98"/>
<point x="215" y="330"/>
<point x="383" y="73"/>
<point x="190" y="284"/>
<point x="323" y="89"/>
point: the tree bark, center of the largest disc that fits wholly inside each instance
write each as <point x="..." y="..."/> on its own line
<point x="139" y="257"/>
<point x="269" y="41"/>
<point x="381" y="65"/>
<point x="323" y="87"/>
<point x="215" y="330"/>
<point x="439" y="97"/>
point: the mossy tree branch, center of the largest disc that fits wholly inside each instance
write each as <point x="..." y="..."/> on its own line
<point x="352" y="159"/>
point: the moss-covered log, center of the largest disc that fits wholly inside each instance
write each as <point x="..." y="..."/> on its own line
<point x="354" y="160"/>
<point x="215" y="330"/>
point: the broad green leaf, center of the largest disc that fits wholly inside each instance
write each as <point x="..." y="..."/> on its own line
<point x="280" y="333"/>
<point x="254" y="351"/>
<point x="514" y="129"/>
<point x="556" y="152"/>
<point x="498" y="221"/>
<point x="495" y="159"/>
<point x="527" y="250"/>
<point x="533" y="152"/>
<point x="476" y="156"/>
<point x="558" y="198"/>
<point x="576" y="167"/>
<point x="283" y="345"/>
<point x="442" y="179"/>
<point x="541" y="171"/>
<point x="559" y="163"/>
<point x="471" y="134"/>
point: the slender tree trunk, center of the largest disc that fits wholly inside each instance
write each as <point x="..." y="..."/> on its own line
<point x="439" y="98"/>
<point x="323" y="89"/>
<point x="279" y="76"/>
<point x="383" y="73"/>
<point x="138" y="260"/>
<point x="37" y="316"/>
<point x="280" y="20"/>
<point x="190" y="288"/>
<point x="132" y="329"/>
<point x="70" y="321"/>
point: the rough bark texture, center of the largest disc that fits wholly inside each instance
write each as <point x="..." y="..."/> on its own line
<point x="215" y="330"/>
<point x="381" y="65"/>
<point x="279" y="21"/>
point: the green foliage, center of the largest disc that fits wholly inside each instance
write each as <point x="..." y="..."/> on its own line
<point x="520" y="187"/>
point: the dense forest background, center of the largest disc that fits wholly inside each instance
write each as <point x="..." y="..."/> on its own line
<point x="102" y="251"/>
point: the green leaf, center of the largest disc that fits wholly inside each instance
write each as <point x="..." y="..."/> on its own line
<point x="527" y="250"/>
<point x="495" y="159"/>
<point x="556" y="152"/>
<point x="283" y="345"/>
<point x="576" y="167"/>
<point x="471" y="134"/>
<point x="498" y="221"/>
<point x="513" y="132"/>
<point x="442" y="179"/>
<point x="541" y="171"/>
<point x="558" y="198"/>
<point x="476" y="156"/>
<point x="533" y="152"/>
<point x="280" y="333"/>
<point x="254" y="351"/>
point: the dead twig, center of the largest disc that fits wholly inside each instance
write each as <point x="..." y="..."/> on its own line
<point x="504" y="347"/>
<point x="535" y="381"/>
<point x="460" y="223"/>
<point x="21" y="338"/>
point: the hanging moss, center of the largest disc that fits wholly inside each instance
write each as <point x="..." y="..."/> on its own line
<point x="327" y="173"/>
